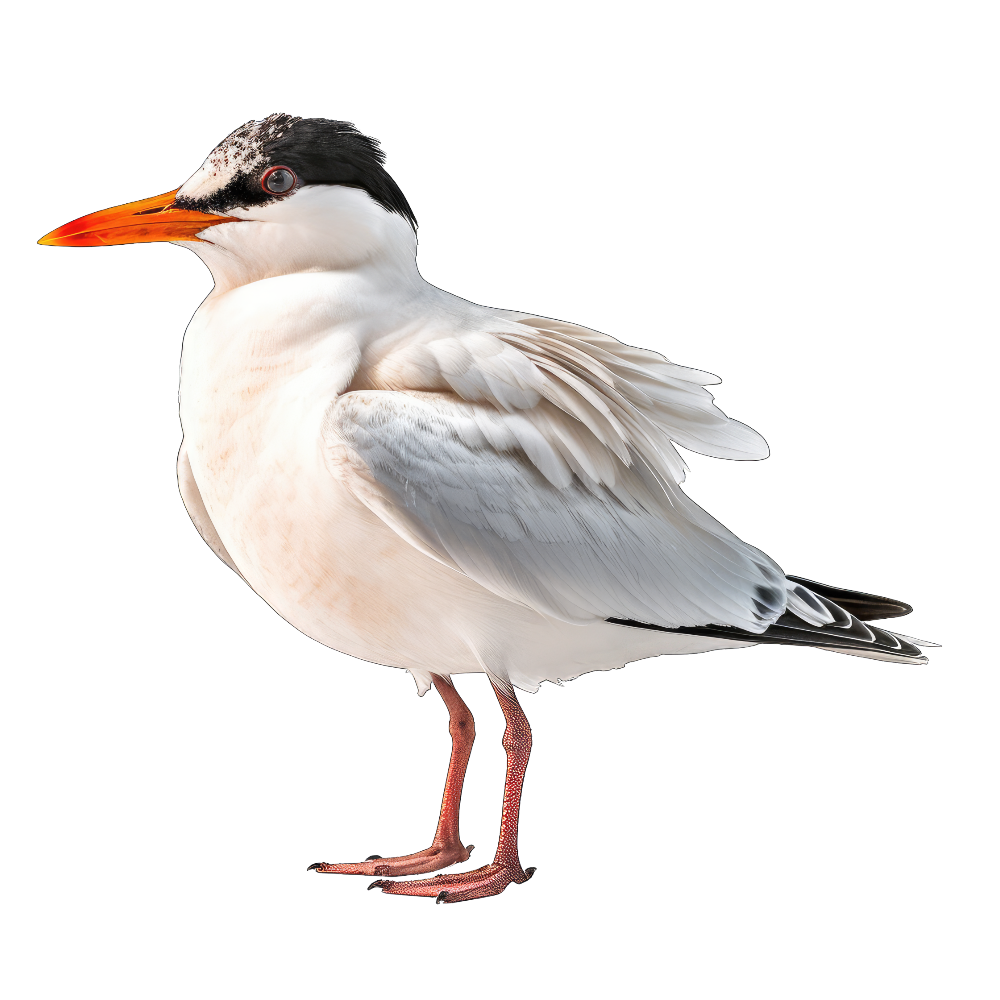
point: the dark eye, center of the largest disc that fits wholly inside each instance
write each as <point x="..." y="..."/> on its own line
<point x="278" y="180"/>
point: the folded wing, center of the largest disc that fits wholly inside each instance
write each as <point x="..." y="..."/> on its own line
<point x="536" y="506"/>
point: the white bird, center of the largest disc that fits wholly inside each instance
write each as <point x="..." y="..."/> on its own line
<point x="427" y="483"/>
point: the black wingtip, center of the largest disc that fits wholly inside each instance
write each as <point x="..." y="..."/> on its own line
<point x="866" y="607"/>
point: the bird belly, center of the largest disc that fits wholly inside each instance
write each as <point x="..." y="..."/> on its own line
<point x="336" y="572"/>
<point x="331" y="568"/>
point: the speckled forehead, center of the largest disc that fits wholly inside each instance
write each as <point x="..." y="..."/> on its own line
<point x="239" y="153"/>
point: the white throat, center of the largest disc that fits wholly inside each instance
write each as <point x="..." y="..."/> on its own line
<point x="318" y="228"/>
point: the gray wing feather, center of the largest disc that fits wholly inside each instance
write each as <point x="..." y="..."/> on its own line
<point x="491" y="495"/>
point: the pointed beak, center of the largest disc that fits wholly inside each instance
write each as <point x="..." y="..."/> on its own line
<point x="152" y="220"/>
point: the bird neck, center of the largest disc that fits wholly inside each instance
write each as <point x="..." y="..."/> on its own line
<point x="337" y="230"/>
<point x="294" y="310"/>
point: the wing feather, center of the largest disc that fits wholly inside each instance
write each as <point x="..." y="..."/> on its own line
<point x="527" y="508"/>
<point x="628" y="399"/>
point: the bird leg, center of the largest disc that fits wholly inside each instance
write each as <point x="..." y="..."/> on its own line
<point x="446" y="848"/>
<point x="506" y="867"/>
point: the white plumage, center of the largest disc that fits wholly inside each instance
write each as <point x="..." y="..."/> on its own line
<point x="431" y="484"/>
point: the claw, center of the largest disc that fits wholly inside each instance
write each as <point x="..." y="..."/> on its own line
<point x="374" y="857"/>
<point x="442" y="896"/>
<point x="470" y="847"/>
<point x="379" y="883"/>
<point x="530" y="871"/>
<point x="319" y="864"/>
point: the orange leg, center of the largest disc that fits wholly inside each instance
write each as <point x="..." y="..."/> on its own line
<point x="506" y="867"/>
<point x="446" y="848"/>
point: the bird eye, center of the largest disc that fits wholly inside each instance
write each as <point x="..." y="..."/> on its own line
<point x="278" y="180"/>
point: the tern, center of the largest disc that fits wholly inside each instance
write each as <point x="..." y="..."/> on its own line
<point x="430" y="484"/>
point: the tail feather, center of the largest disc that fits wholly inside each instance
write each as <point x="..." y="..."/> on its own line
<point x="846" y="633"/>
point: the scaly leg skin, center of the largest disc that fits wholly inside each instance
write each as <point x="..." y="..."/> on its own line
<point x="506" y="867"/>
<point x="446" y="848"/>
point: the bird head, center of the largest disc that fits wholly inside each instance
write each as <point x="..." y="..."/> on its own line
<point x="276" y="196"/>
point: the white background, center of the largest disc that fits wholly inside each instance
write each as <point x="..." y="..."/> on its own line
<point x="800" y="197"/>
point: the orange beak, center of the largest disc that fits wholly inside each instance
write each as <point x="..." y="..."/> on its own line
<point x="152" y="220"/>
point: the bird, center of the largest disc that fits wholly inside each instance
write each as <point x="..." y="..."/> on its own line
<point x="429" y="484"/>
